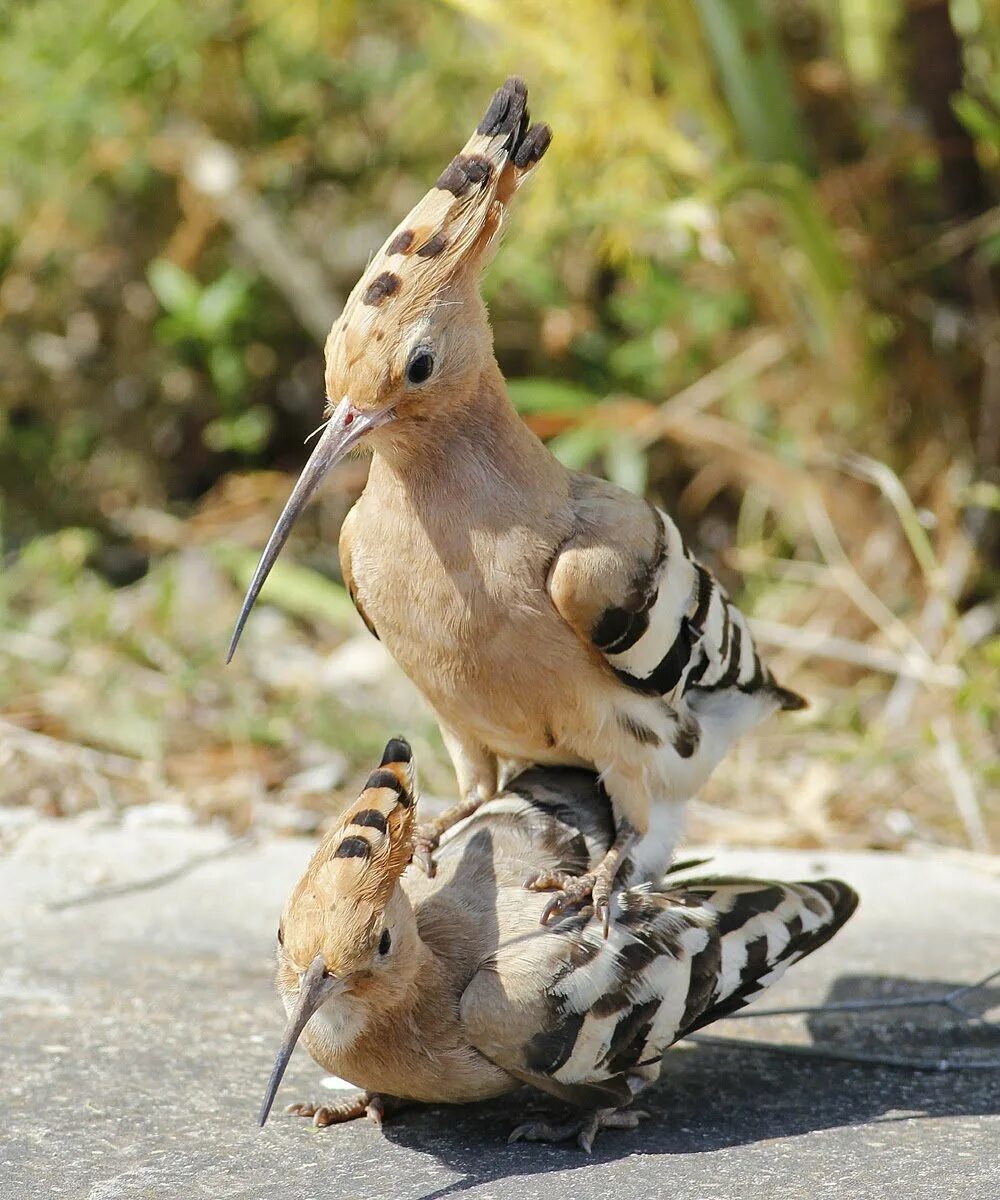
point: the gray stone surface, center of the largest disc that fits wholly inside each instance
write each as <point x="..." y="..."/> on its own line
<point x="137" y="1034"/>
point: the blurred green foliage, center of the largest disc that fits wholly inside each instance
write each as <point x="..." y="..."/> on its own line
<point x="206" y="325"/>
<point x="687" y="199"/>
<point x="764" y="239"/>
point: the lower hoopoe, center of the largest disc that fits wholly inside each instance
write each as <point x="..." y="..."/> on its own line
<point x="450" y="990"/>
<point x="545" y="615"/>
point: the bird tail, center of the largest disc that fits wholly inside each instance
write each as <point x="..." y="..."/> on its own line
<point x="760" y="929"/>
<point x="788" y="700"/>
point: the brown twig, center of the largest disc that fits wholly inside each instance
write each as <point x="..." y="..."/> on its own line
<point x="960" y="784"/>
<point x="949" y="1000"/>
<point x="760" y="356"/>
<point x="213" y="169"/>
<point x="819" y="644"/>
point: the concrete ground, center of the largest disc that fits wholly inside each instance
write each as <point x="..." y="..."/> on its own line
<point x="137" y="1032"/>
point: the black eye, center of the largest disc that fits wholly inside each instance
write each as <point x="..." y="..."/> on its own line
<point x="385" y="941"/>
<point x="420" y="366"/>
<point x="281" y="936"/>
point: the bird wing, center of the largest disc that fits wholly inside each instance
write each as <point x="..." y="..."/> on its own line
<point x="574" y="1013"/>
<point x="761" y="928"/>
<point x="629" y="587"/>
<point x="570" y="1012"/>
<point x="346" y="537"/>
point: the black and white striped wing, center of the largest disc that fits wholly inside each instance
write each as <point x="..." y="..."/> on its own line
<point x="661" y="619"/>
<point x="761" y="929"/>
<point x="574" y="1014"/>
<point x="570" y="1012"/>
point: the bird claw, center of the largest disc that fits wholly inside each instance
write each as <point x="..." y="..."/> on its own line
<point x="555" y="907"/>
<point x="602" y="910"/>
<point x="425" y="842"/>
<point x="367" y="1104"/>
<point x="571" y="891"/>
<point x="583" y="1131"/>
<point x="574" y="891"/>
<point x="601" y="893"/>
<point x="323" y="1115"/>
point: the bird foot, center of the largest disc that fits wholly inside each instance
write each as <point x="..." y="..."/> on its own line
<point x="425" y="842"/>
<point x="428" y="834"/>
<point x="367" y="1104"/>
<point x="575" y="891"/>
<point x="583" y="1131"/>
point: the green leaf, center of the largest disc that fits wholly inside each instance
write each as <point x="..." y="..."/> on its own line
<point x="982" y="494"/>
<point x="981" y="121"/>
<point x="626" y="464"/>
<point x="577" y="447"/>
<point x="295" y="589"/>
<point x="228" y="370"/>
<point x="537" y="395"/>
<point x="755" y="79"/>
<point x="117" y="724"/>
<point x="245" y="433"/>
<point x="222" y="303"/>
<point x="175" y="289"/>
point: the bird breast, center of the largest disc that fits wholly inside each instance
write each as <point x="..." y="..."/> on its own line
<point x="468" y="618"/>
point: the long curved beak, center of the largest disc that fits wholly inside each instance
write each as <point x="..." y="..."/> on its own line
<point x="345" y="428"/>
<point x="316" y="988"/>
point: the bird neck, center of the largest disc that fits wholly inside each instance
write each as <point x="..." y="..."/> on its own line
<point x="477" y="449"/>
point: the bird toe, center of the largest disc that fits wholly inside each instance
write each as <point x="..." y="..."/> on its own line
<point x="425" y="842"/>
<point x="552" y="909"/>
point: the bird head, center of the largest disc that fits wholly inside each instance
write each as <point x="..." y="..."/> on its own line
<point x="347" y="927"/>
<point x="413" y="338"/>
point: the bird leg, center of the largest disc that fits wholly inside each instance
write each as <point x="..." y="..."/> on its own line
<point x="366" y="1104"/>
<point x="592" y="887"/>
<point x="428" y="833"/>
<point x="582" y="1130"/>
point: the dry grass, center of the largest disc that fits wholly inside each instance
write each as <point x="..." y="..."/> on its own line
<point x="832" y="342"/>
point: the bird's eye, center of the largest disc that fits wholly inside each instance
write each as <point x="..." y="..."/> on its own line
<point x="420" y="367"/>
<point x="385" y="941"/>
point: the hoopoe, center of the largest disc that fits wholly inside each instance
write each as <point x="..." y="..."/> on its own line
<point x="546" y="616"/>
<point x="449" y="989"/>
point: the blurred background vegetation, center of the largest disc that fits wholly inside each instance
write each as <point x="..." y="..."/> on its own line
<point x="756" y="278"/>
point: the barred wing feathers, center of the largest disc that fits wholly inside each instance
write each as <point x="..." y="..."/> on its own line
<point x="629" y="586"/>
<point x="575" y="1014"/>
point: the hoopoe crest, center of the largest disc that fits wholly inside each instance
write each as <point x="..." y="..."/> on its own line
<point x="337" y="908"/>
<point x="405" y="329"/>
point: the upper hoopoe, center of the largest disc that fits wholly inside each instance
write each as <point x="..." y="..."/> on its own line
<point x="448" y="989"/>
<point x="546" y="616"/>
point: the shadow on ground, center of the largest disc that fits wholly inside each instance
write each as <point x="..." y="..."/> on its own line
<point x="712" y="1098"/>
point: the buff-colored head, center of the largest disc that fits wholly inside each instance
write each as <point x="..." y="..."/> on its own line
<point x="347" y="927"/>
<point x="413" y="330"/>
<point x="414" y="339"/>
